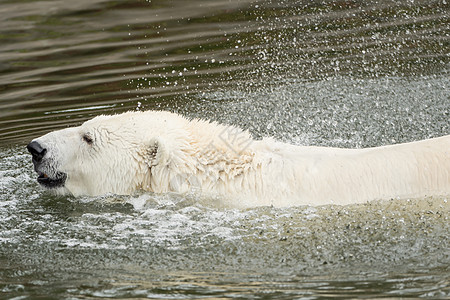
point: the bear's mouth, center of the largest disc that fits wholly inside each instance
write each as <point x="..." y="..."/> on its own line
<point x="52" y="182"/>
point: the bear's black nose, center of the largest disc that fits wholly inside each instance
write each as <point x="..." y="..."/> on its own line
<point x="36" y="151"/>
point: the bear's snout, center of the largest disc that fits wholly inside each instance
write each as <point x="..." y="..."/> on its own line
<point x="49" y="176"/>
<point x="36" y="150"/>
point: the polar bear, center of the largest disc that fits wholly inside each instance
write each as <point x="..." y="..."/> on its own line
<point x="164" y="152"/>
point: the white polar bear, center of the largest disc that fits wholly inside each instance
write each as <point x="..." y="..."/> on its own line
<point x="164" y="152"/>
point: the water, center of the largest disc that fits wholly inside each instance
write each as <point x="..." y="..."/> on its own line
<point x="347" y="74"/>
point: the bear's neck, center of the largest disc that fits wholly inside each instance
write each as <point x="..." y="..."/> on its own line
<point x="210" y="159"/>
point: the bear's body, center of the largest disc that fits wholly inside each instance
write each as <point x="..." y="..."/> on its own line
<point x="164" y="152"/>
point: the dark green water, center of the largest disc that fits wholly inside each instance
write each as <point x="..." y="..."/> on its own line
<point x="333" y="73"/>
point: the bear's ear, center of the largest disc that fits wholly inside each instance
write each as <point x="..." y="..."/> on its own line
<point x="156" y="152"/>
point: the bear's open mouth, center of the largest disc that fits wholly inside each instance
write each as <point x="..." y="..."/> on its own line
<point x="49" y="182"/>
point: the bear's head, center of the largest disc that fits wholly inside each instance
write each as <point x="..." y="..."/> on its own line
<point x="108" y="154"/>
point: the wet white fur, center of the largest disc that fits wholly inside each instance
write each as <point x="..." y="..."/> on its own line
<point x="164" y="152"/>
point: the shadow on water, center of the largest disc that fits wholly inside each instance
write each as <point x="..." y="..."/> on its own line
<point x="334" y="73"/>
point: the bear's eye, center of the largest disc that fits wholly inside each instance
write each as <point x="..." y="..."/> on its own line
<point x="88" y="139"/>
